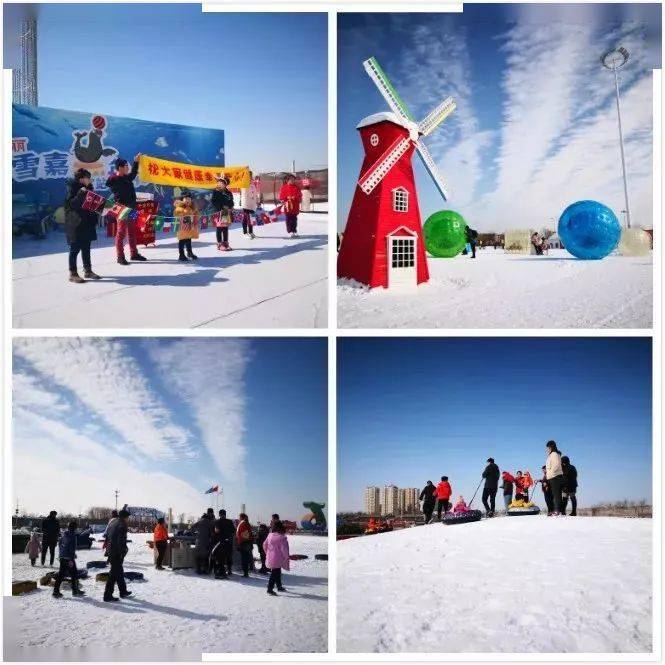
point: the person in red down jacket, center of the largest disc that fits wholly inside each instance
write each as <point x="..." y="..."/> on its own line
<point x="443" y="493"/>
<point x="291" y="196"/>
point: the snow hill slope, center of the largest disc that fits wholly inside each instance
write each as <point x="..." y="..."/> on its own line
<point x="174" y="615"/>
<point x="510" y="584"/>
<point x="270" y="282"/>
<point x="499" y="290"/>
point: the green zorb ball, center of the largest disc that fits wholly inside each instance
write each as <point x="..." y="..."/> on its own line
<point x="445" y="234"/>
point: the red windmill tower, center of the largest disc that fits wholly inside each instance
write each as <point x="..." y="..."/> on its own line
<point x="383" y="239"/>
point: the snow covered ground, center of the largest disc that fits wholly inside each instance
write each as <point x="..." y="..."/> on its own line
<point x="499" y="290"/>
<point x="511" y="584"/>
<point x="174" y="615"/>
<point x="269" y="282"/>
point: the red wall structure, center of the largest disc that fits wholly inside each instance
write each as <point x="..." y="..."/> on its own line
<point x="363" y="253"/>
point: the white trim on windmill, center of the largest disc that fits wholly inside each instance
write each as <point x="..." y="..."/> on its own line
<point x="402" y="117"/>
<point x="400" y="199"/>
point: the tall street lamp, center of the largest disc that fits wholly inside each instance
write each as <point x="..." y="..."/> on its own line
<point x="614" y="60"/>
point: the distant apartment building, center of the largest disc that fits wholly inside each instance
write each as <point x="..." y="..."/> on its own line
<point x="372" y="501"/>
<point x="408" y="500"/>
<point x="390" y="500"/>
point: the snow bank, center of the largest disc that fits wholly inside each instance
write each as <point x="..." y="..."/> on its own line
<point x="499" y="290"/>
<point x="270" y="282"/>
<point x="174" y="615"/>
<point x="527" y="584"/>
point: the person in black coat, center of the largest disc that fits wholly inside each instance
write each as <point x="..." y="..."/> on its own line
<point x="569" y="488"/>
<point x="225" y="531"/>
<point x="80" y="225"/>
<point x="121" y="183"/>
<point x="116" y="550"/>
<point x="203" y="544"/>
<point x="547" y="492"/>
<point x="222" y="201"/>
<point x="491" y="475"/>
<point x="261" y="535"/>
<point x="428" y="497"/>
<point x="472" y="239"/>
<point x="50" y="535"/>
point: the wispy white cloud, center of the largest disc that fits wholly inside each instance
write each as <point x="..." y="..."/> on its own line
<point x="102" y="375"/>
<point x="27" y="393"/>
<point x="209" y="381"/>
<point x="430" y="69"/>
<point x="58" y="466"/>
<point x="558" y="135"/>
<point x="554" y="140"/>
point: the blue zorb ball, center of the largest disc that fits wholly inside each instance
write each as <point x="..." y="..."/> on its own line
<point x="589" y="230"/>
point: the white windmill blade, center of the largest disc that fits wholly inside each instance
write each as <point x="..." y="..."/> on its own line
<point x="386" y="89"/>
<point x="437" y="116"/>
<point x="375" y="173"/>
<point x="432" y="169"/>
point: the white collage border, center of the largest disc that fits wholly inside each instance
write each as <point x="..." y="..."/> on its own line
<point x="332" y="333"/>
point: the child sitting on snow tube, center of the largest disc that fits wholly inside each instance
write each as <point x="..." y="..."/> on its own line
<point x="461" y="513"/>
<point x="522" y="507"/>
<point x="460" y="506"/>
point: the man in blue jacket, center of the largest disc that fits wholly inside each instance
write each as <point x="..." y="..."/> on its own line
<point x="67" y="554"/>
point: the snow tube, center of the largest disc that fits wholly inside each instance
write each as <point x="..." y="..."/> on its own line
<point x="521" y="507"/>
<point x="297" y="557"/>
<point x="132" y="575"/>
<point x="96" y="564"/>
<point x="461" y="518"/>
<point x="321" y="557"/>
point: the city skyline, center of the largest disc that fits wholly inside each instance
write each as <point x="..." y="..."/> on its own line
<point x="390" y="500"/>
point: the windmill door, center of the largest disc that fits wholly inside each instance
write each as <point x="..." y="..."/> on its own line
<point x="402" y="269"/>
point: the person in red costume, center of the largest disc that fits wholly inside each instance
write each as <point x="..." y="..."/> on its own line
<point x="291" y="196"/>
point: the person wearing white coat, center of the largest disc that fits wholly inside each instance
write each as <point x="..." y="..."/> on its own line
<point x="249" y="201"/>
<point x="554" y="474"/>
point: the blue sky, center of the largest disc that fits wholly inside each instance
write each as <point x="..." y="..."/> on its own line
<point x="164" y="419"/>
<point x="414" y="409"/>
<point x="535" y="126"/>
<point x="261" y="77"/>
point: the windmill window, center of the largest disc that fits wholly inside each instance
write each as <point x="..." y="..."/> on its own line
<point x="400" y="200"/>
<point x="403" y="253"/>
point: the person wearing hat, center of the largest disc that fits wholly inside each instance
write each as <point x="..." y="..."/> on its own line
<point x="491" y="475"/>
<point x="80" y="226"/>
<point x="116" y="550"/>
<point x="184" y="209"/>
<point x="222" y="202"/>
<point x="291" y="196"/>
<point x="121" y="183"/>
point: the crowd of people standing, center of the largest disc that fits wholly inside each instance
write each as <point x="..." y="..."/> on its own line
<point x="81" y="224"/>
<point x="558" y="484"/>
<point x="216" y="540"/>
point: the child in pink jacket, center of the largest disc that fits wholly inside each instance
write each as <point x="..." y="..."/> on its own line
<point x="460" y="506"/>
<point x="34" y="547"/>
<point x="276" y="547"/>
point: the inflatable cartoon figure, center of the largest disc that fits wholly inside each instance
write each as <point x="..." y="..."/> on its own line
<point x="314" y="520"/>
